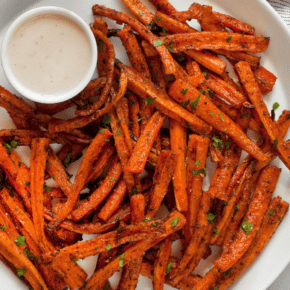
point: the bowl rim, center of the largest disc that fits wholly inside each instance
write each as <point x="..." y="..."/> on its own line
<point x="58" y="96"/>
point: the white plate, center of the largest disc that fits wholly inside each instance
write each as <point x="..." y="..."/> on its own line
<point x="258" y="13"/>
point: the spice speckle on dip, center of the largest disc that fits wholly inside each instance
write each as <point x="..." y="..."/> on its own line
<point x="49" y="53"/>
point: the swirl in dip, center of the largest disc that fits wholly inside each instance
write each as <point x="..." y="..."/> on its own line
<point x="49" y="53"/>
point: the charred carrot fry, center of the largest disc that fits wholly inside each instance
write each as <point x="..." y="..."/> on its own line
<point x="178" y="132"/>
<point x="207" y="111"/>
<point x="206" y="18"/>
<point x="39" y="148"/>
<point x="83" y="173"/>
<point x="123" y="149"/>
<point x="162" y="176"/>
<point x="131" y="271"/>
<point x="196" y="157"/>
<point x="109" y="78"/>
<point x="208" y="280"/>
<point x="224" y="107"/>
<point x="135" y="251"/>
<point x="161" y="263"/>
<point x="15" y="256"/>
<point x="137" y="231"/>
<point x="140" y="153"/>
<point x="162" y="102"/>
<point x="225" y="91"/>
<point x="215" y="154"/>
<point x="69" y="153"/>
<point x="283" y="123"/>
<point x="139" y="10"/>
<point x="134" y="51"/>
<point x="272" y="218"/>
<point x="252" y="219"/>
<point x="239" y="56"/>
<point x="270" y="128"/>
<point x="143" y="31"/>
<point x="52" y="109"/>
<point x="102" y="162"/>
<point x="113" y="201"/>
<point x="134" y="115"/>
<point x="100" y="193"/>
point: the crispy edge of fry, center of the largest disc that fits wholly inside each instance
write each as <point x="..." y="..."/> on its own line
<point x="265" y="79"/>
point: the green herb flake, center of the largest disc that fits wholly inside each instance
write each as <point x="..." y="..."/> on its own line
<point x="101" y="45"/>
<point x="216" y="288"/>
<point x="20" y="241"/>
<point x="47" y="188"/>
<point x="229" y="39"/>
<point x="19" y="163"/>
<point x="276" y="106"/>
<point x="276" y="142"/>
<point x="221" y="117"/>
<point x="21" y="272"/>
<point x="174" y="222"/>
<point x="195" y="103"/>
<point x="185" y="103"/>
<point x="203" y="92"/>
<point x="11" y="194"/>
<point x="112" y="178"/>
<point x="8" y="186"/>
<point x="168" y="268"/>
<point x="14" y="144"/>
<point x="102" y="131"/>
<point x="109" y="247"/>
<point x="8" y="147"/>
<point x="210" y="92"/>
<point x="28" y="183"/>
<point x="271" y="212"/>
<point x="107" y="140"/>
<point x="197" y="163"/>
<point x="181" y="58"/>
<point x="106" y="119"/>
<point x="132" y="102"/>
<point x="224" y="203"/>
<point x="47" y="164"/>
<point x="67" y="160"/>
<point x="247" y="227"/>
<point x="217" y="142"/>
<point x="227" y="272"/>
<point x="118" y="132"/>
<point x="184" y="91"/>
<point x="76" y="261"/>
<point x="244" y="115"/>
<point x="141" y="13"/>
<point x="154" y="224"/>
<point x="228" y="145"/>
<point x="135" y="191"/>
<point x="158" y="18"/>
<point x="211" y="217"/>
<point x="97" y="89"/>
<point x="29" y="255"/>
<point x="121" y="261"/>
<point x="205" y="74"/>
<point x="3" y="228"/>
<point x="266" y="37"/>
<point x="212" y="114"/>
<point x="158" y="43"/>
<point x="149" y="101"/>
<point x="216" y="231"/>
<point x="106" y="287"/>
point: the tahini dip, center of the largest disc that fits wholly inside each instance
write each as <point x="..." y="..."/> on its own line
<point x="49" y="53"/>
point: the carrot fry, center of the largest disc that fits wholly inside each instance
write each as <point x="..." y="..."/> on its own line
<point x="16" y="257"/>
<point x="140" y="153"/>
<point x="57" y="125"/>
<point x="225" y="91"/>
<point x="142" y="30"/>
<point x="208" y="280"/>
<point x="162" y="176"/>
<point x="110" y="75"/>
<point x="134" y="115"/>
<point x="39" y="148"/>
<point x="161" y="263"/>
<point x="52" y="109"/>
<point x="113" y="201"/>
<point x="124" y="104"/>
<point x="178" y="132"/>
<point x="131" y="271"/>
<point x="283" y="123"/>
<point x="134" y="51"/>
<point x="265" y="79"/>
<point x="133" y="232"/>
<point x="208" y="112"/>
<point x="162" y="102"/>
<point x="100" y="193"/>
<point x="135" y="251"/>
<point x="270" y="128"/>
<point x="252" y="219"/>
<point x="269" y="225"/>
<point x="84" y="171"/>
<point x="140" y="11"/>
<point x="197" y="149"/>
<point x="102" y="65"/>
<point x="234" y="24"/>
<point x="69" y="153"/>
<point x="123" y="150"/>
<point x="239" y="56"/>
<point x="216" y="40"/>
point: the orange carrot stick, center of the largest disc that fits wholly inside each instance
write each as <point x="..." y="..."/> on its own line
<point x="143" y="31"/>
<point x="134" y="115"/>
<point x="140" y="153"/>
<point x="162" y="176"/>
<point x="178" y="132"/>
<point x="114" y="201"/>
<point x="100" y="193"/>
<point x="265" y="79"/>
<point x="252" y="220"/>
<point x="84" y="171"/>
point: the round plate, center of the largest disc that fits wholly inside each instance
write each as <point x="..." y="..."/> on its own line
<point x="267" y="22"/>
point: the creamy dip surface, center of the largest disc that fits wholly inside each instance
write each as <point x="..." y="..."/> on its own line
<point x="49" y="53"/>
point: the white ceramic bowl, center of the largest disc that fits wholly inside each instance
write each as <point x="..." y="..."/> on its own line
<point x="55" y="97"/>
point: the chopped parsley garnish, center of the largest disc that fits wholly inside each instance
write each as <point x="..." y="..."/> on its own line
<point x="47" y="188"/>
<point x="201" y="171"/>
<point x="141" y="13"/>
<point x="276" y="142"/>
<point x="3" y="228"/>
<point x="174" y="222"/>
<point x="211" y="217"/>
<point x="184" y="91"/>
<point x="158" y="18"/>
<point x="121" y="261"/>
<point x="212" y="114"/>
<point x="154" y="224"/>
<point x="109" y="247"/>
<point x="20" y="240"/>
<point x="195" y="103"/>
<point x="14" y="144"/>
<point x="197" y="163"/>
<point x="210" y="92"/>
<point x="181" y="58"/>
<point x="221" y="117"/>
<point x="247" y="227"/>
<point x="132" y="102"/>
<point x="228" y="145"/>
<point x="244" y="115"/>
<point x="203" y="92"/>
<point x="149" y="101"/>
<point x="216" y="231"/>
<point x="185" y="103"/>
<point x="21" y="272"/>
<point x="101" y="45"/>
<point x="67" y="159"/>
<point x="29" y="255"/>
<point x="276" y="106"/>
<point x="118" y="132"/>
<point x="158" y="42"/>
<point x="271" y="212"/>
<point x="205" y="74"/>
<point x="229" y="39"/>
<point x="266" y="37"/>
<point x="227" y="272"/>
<point x="112" y="178"/>
<point x="135" y="191"/>
<point x="217" y="142"/>
<point x="168" y="268"/>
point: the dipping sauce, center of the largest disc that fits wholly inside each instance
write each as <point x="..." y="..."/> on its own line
<point x="49" y="53"/>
